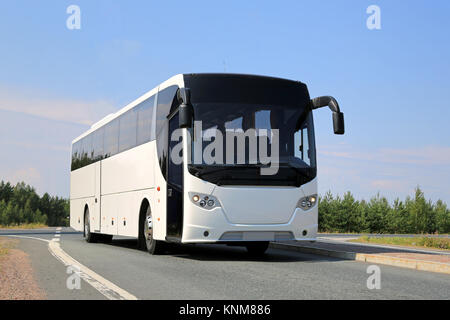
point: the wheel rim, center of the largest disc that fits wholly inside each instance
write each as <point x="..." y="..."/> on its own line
<point x="148" y="227"/>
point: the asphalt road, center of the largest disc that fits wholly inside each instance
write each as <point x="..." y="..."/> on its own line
<point x="356" y="235"/>
<point x="218" y="272"/>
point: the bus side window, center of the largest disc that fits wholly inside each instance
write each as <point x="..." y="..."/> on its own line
<point x="76" y="155"/>
<point x="98" y="144"/>
<point x="127" y="131"/>
<point x="144" y="122"/>
<point x="86" y="151"/>
<point x="111" y="145"/>
<point x="302" y="145"/>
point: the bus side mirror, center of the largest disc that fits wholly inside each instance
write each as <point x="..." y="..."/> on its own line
<point x="338" y="123"/>
<point x="338" y="116"/>
<point x="186" y="111"/>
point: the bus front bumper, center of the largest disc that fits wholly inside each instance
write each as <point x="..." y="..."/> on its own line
<point x="214" y="228"/>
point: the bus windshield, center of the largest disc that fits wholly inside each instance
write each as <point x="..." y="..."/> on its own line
<point x="232" y="141"/>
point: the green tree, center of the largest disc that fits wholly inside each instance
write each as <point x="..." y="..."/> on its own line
<point x="3" y="217"/>
<point x="422" y="217"/>
<point x="377" y="210"/>
<point x="442" y="214"/>
<point x="326" y="216"/>
<point x="351" y="212"/>
<point x="39" y="217"/>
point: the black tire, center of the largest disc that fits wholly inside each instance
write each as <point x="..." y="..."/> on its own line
<point x="88" y="235"/>
<point x="257" y="248"/>
<point x="105" y="238"/>
<point x="146" y="241"/>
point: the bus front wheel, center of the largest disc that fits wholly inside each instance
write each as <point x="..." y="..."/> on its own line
<point x="88" y="235"/>
<point x="146" y="240"/>
<point x="257" y="248"/>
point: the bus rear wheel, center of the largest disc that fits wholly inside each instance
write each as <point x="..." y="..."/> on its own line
<point x="257" y="248"/>
<point x="146" y="240"/>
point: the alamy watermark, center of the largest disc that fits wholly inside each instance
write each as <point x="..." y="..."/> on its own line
<point x="374" y="20"/>
<point x="241" y="147"/>
<point x="374" y="280"/>
<point x="73" y="281"/>
<point x="73" y="22"/>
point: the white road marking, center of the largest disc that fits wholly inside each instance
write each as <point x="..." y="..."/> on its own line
<point x="105" y="287"/>
<point x="57" y="235"/>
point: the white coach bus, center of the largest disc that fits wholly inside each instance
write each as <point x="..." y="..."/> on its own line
<point x="125" y="182"/>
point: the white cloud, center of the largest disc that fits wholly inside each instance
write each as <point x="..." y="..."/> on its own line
<point x="54" y="108"/>
<point x="29" y="175"/>
<point x="427" y="155"/>
<point x="392" y="172"/>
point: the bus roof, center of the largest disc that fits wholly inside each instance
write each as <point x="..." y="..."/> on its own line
<point x="177" y="79"/>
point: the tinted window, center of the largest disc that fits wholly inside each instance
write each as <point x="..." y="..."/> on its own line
<point x="76" y="155"/>
<point x="127" y="133"/>
<point x="166" y="98"/>
<point x="111" y="145"/>
<point x="131" y="129"/>
<point x="98" y="143"/>
<point x="87" y="151"/>
<point x="145" y="116"/>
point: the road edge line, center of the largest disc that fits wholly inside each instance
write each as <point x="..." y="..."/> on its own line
<point x="104" y="286"/>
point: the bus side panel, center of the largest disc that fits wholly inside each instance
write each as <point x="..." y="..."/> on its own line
<point x="128" y="207"/>
<point x="127" y="178"/>
<point x="76" y="214"/>
<point x="82" y="182"/>
<point x="82" y="191"/>
<point x="109" y="214"/>
<point x="131" y="170"/>
<point x="159" y="205"/>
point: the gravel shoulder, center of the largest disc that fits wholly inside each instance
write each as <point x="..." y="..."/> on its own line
<point x="17" y="281"/>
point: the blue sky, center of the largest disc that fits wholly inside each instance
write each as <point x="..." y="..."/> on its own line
<point x="391" y="83"/>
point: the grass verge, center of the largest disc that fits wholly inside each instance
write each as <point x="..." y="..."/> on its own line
<point x="422" y="242"/>
<point x="25" y="226"/>
<point x="5" y="245"/>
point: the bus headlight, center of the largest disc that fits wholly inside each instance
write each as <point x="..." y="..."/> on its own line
<point x="204" y="201"/>
<point x="307" y="203"/>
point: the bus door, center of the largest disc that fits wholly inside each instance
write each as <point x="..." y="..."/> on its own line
<point x="96" y="212"/>
<point x="174" y="187"/>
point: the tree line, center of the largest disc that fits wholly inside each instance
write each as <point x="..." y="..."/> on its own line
<point x="20" y="204"/>
<point x="414" y="215"/>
